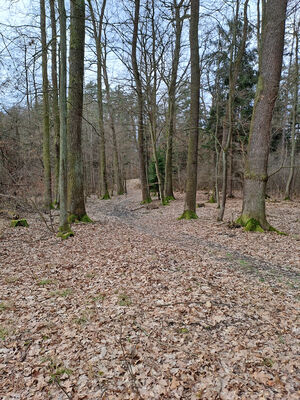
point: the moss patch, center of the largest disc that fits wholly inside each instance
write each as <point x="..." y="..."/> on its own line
<point x="19" y="222"/>
<point x="212" y="199"/>
<point x="188" y="214"/>
<point x="106" y="196"/>
<point x="253" y="225"/>
<point x="147" y="201"/>
<point x="79" y="218"/>
<point x="65" y="233"/>
<point x="169" y="198"/>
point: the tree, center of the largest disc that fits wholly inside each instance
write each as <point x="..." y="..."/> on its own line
<point x="294" y="114"/>
<point x="178" y="24"/>
<point x="46" y="117"/>
<point x="192" y="162"/>
<point x="98" y="38"/>
<point x="64" y="227"/>
<point x="55" y="109"/>
<point x="76" y="203"/>
<point x="253" y="215"/>
<point x="138" y="86"/>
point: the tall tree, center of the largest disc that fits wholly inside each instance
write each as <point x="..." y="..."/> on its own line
<point x="192" y="162"/>
<point x="98" y="38"/>
<point x="64" y="227"/>
<point x="178" y="24"/>
<point x="55" y="109"/>
<point x="46" y="117"/>
<point x="234" y="69"/>
<point x="253" y="215"/>
<point x="295" y="112"/>
<point x="139" y="91"/>
<point x="76" y="203"/>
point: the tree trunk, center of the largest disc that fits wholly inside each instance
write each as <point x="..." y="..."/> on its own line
<point x="256" y="175"/>
<point x="76" y="203"/>
<point x="141" y="148"/>
<point x="117" y="171"/>
<point x="294" y="120"/>
<point x="234" y="70"/>
<point x="171" y="104"/>
<point x="55" y="109"/>
<point x="192" y="162"/>
<point x="46" y="119"/>
<point x="64" y="227"/>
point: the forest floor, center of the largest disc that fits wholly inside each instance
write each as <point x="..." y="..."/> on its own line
<point x="139" y="305"/>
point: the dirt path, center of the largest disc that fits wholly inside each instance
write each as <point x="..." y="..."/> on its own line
<point x="227" y="245"/>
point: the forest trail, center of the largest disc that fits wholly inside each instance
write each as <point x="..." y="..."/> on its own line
<point x="139" y="305"/>
<point x="210" y="238"/>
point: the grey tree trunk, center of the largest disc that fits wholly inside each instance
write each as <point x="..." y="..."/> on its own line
<point x="295" y="111"/>
<point x="55" y="109"/>
<point x="169" y="193"/>
<point x="76" y="201"/>
<point x="46" y="117"/>
<point x="256" y="175"/>
<point x="192" y="163"/>
<point x="138" y="84"/>
<point x="64" y="227"/>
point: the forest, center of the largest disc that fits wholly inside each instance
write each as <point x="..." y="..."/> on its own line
<point x="149" y="199"/>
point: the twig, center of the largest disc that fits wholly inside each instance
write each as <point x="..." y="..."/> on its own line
<point x="62" y="389"/>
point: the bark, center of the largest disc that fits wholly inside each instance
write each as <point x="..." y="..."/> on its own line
<point x="234" y="70"/>
<point x="138" y="84"/>
<point x="172" y="103"/>
<point x="76" y="204"/>
<point x="118" y="179"/>
<point x="192" y="162"/>
<point x="64" y="227"/>
<point x="46" y="118"/>
<point x="55" y="108"/>
<point x="103" y="185"/>
<point x="288" y="188"/>
<point x="256" y="175"/>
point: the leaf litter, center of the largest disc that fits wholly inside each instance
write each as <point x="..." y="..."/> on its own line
<point x="139" y="305"/>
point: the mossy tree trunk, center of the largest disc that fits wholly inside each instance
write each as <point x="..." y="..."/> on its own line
<point x="256" y="174"/>
<point x="64" y="227"/>
<point x="234" y="70"/>
<point x="76" y="202"/>
<point x="55" y="109"/>
<point x="192" y="162"/>
<point x="138" y="85"/>
<point x="178" y="23"/>
<point x="295" y="112"/>
<point x="46" y="116"/>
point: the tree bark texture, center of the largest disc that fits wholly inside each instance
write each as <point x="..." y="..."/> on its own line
<point x="76" y="204"/>
<point x="256" y="174"/>
<point x="46" y="116"/>
<point x="138" y="84"/>
<point x="192" y="162"/>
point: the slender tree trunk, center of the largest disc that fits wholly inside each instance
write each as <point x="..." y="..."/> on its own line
<point x="234" y="70"/>
<point x="64" y="227"/>
<point x="294" y="119"/>
<point x="141" y="145"/>
<point x="55" y="109"/>
<point x="76" y="201"/>
<point x="46" y="118"/>
<point x="117" y="171"/>
<point x="171" y="104"/>
<point x="192" y="163"/>
<point x="256" y="173"/>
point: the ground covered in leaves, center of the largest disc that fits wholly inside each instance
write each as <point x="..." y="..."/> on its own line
<point x="139" y="305"/>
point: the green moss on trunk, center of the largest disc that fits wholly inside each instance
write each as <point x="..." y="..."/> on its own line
<point x="169" y="198"/>
<point x="212" y="199"/>
<point x="19" y="222"/>
<point x="253" y="225"/>
<point x="79" y="218"/>
<point x="106" y="196"/>
<point x="65" y="233"/>
<point x="188" y="214"/>
<point x="147" y="201"/>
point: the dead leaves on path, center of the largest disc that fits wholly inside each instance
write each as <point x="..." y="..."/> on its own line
<point x="117" y="313"/>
